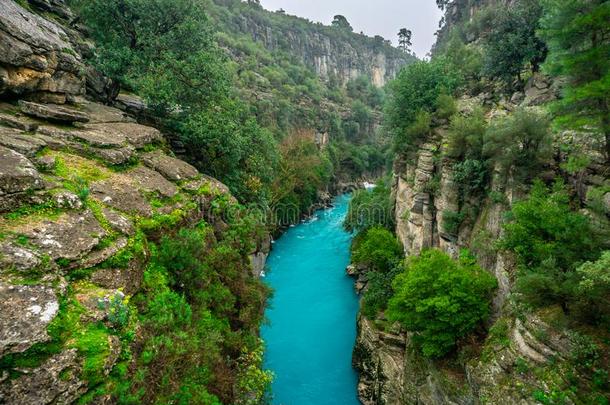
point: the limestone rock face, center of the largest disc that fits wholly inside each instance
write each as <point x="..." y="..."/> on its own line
<point x="52" y="112"/>
<point x="328" y="55"/>
<point x="379" y="359"/>
<point x="26" y="313"/>
<point x="36" y="56"/>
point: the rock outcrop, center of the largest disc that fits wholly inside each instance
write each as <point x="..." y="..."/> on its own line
<point x="340" y="55"/>
<point x="80" y="184"/>
<point x="37" y="59"/>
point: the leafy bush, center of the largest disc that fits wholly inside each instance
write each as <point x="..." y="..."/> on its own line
<point x="414" y="134"/>
<point x="471" y="177"/>
<point x="370" y="208"/>
<point x="466" y="135"/>
<point x="417" y="89"/>
<point x="377" y="248"/>
<point x="440" y="299"/>
<point x="549" y="241"/>
<point x="520" y="142"/>
<point x="379" y="290"/>
<point x="452" y="221"/>
<point x="594" y="287"/>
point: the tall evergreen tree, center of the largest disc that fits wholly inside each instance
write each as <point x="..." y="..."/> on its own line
<point x="578" y="36"/>
<point x="404" y="39"/>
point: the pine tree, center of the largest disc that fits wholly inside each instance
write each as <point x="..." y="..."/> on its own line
<point x="578" y="36"/>
<point x="404" y="39"/>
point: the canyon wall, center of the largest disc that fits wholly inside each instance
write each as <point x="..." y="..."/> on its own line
<point x="330" y="52"/>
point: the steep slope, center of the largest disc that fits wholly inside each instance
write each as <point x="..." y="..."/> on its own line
<point x="100" y="230"/>
<point x="528" y="351"/>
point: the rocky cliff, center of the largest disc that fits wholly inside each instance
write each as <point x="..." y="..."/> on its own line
<point x="332" y="53"/>
<point x="84" y="190"/>
<point x="521" y="351"/>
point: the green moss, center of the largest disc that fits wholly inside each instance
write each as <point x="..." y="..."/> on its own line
<point x="136" y="248"/>
<point x="48" y="209"/>
<point x="92" y="343"/>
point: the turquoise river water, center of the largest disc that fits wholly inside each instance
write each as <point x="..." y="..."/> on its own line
<point x="312" y="314"/>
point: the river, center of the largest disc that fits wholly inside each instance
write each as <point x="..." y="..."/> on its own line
<point x="312" y="315"/>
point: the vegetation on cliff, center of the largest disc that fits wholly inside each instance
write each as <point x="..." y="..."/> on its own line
<point x="501" y="148"/>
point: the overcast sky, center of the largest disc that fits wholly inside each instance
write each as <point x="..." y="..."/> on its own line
<point x="373" y="17"/>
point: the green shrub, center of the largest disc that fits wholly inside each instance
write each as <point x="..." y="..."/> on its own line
<point x="417" y="89"/>
<point x="379" y="290"/>
<point x="452" y="221"/>
<point x="377" y="248"/>
<point x="520" y="142"/>
<point x="549" y="241"/>
<point x="445" y="106"/>
<point x="370" y="208"/>
<point x="593" y="289"/>
<point x="466" y="135"/>
<point x="441" y="300"/>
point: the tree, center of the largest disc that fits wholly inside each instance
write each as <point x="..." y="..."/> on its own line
<point x="520" y="143"/>
<point x="404" y="39"/>
<point x="341" y="22"/>
<point x="415" y="93"/>
<point x="442" y="3"/>
<point x="440" y="299"/>
<point x="369" y="209"/>
<point x="511" y="42"/>
<point x="549" y="241"/>
<point x="594" y="287"/>
<point x="378" y="248"/>
<point x="578" y="37"/>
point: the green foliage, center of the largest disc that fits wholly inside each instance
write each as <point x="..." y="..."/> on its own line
<point x="440" y="299"/>
<point x="445" y="106"/>
<point x="370" y="208"/>
<point x="511" y="42"/>
<point x="379" y="290"/>
<point x="466" y="135"/>
<point x="416" y="89"/>
<point x="467" y="59"/>
<point x="201" y="310"/>
<point x="520" y="143"/>
<point x="414" y="134"/>
<point x="378" y="249"/>
<point x="594" y="287"/>
<point x="577" y="35"/>
<point x="549" y="241"/>
<point x="452" y="221"/>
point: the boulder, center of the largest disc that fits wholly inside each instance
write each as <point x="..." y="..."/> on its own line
<point x="136" y="134"/>
<point x="118" y="222"/>
<point x="539" y="90"/>
<point x="99" y="113"/>
<point x="56" y="381"/>
<point x="52" y="112"/>
<point x="18" y="121"/>
<point x="151" y="181"/>
<point x="14" y="257"/>
<point x="36" y="55"/>
<point x="173" y="169"/>
<point x="25" y="313"/>
<point x="71" y="236"/>
<point x="130" y="103"/>
<point x="17" y="173"/>
<point x="120" y="193"/>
